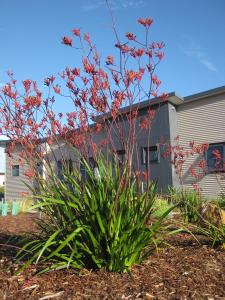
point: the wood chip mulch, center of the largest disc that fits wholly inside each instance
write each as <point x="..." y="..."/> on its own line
<point x="187" y="270"/>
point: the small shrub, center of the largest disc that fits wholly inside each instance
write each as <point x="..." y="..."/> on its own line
<point x="161" y="206"/>
<point x="97" y="222"/>
<point x="212" y="223"/>
<point x="190" y="203"/>
<point x="216" y="234"/>
<point x="2" y="192"/>
<point x="221" y="201"/>
<point x="26" y="205"/>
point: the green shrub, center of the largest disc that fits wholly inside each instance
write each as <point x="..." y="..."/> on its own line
<point x="2" y="191"/>
<point x="161" y="206"/>
<point x="97" y="222"/>
<point x="26" y="204"/>
<point x="216" y="233"/>
<point x="190" y="203"/>
<point x="221" y="201"/>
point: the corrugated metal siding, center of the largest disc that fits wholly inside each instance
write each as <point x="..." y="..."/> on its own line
<point x="202" y="121"/>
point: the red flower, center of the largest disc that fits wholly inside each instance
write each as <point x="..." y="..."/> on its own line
<point x="139" y="52"/>
<point x="193" y="172"/>
<point x="67" y="41"/>
<point x="151" y="113"/>
<point x="24" y="194"/>
<point x="145" y="22"/>
<point x="76" y="31"/>
<point x="144" y="123"/>
<point x="27" y="84"/>
<point x="145" y="175"/>
<point x="57" y="89"/>
<point x="49" y="80"/>
<point x="29" y="173"/>
<point x="164" y="96"/>
<point x="160" y="45"/>
<point x="32" y="101"/>
<point x="202" y="164"/>
<point x="104" y="143"/>
<point x="76" y="72"/>
<point x="160" y="55"/>
<point x="98" y="127"/>
<point x="217" y="154"/>
<point x="149" y="53"/>
<point x="156" y="80"/>
<point x="130" y="36"/>
<point x="89" y="68"/>
<point x="29" y="122"/>
<point x="154" y="93"/>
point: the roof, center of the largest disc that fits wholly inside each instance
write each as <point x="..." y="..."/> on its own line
<point x="205" y="94"/>
<point x="172" y="98"/>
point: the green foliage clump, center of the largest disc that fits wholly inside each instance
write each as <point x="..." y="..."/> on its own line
<point x="100" y="221"/>
<point x="216" y="233"/>
<point x="190" y="203"/>
<point x="161" y="206"/>
<point x="2" y="191"/>
<point x="221" y="201"/>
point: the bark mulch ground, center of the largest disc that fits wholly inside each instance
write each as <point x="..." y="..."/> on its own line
<point x="185" y="271"/>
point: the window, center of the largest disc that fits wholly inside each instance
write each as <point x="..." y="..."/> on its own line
<point x="215" y="157"/>
<point x="15" y="170"/>
<point x="150" y="154"/>
<point x="121" y="156"/>
<point x="40" y="168"/>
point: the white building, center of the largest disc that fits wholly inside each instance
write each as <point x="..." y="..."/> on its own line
<point x="2" y="178"/>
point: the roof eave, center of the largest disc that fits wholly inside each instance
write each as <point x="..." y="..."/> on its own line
<point x="172" y="98"/>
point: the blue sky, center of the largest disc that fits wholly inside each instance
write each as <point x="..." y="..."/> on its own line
<point x="193" y="31"/>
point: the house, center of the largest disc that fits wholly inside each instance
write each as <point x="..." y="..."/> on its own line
<point x="2" y="178"/>
<point x="199" y="118"/>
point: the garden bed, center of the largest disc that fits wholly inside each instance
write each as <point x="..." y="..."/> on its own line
<point x="187" y="270"/>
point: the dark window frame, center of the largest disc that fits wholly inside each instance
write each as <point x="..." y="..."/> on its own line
<point x="40" y="169"/>
<point x="146" y="150"/>
<point x="121" y="156"/>
<point x="209" y="168"/>
<point x="15" y="168"/>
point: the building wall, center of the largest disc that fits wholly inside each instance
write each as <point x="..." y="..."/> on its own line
<point x="202" y="121"/>
<point x="163" y="130"/>
<point x="160" y="172"/>
<point x="160" y="133"/>
<point x="15" y="187"/>
<point x="2" y="179"/>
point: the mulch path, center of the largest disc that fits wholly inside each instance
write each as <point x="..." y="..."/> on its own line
<point x="187" y="270"/>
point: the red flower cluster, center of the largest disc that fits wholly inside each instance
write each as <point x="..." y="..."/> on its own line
<point x="131" y="36"/>
<point x="67" y="41"/>
<point x="76" y="31"/>
<point x="145" y="22"/>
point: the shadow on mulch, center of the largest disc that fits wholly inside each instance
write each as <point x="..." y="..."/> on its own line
<point x="187" y="270"/>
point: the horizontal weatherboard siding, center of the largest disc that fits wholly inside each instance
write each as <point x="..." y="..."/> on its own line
<point x="202" y="121"/>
